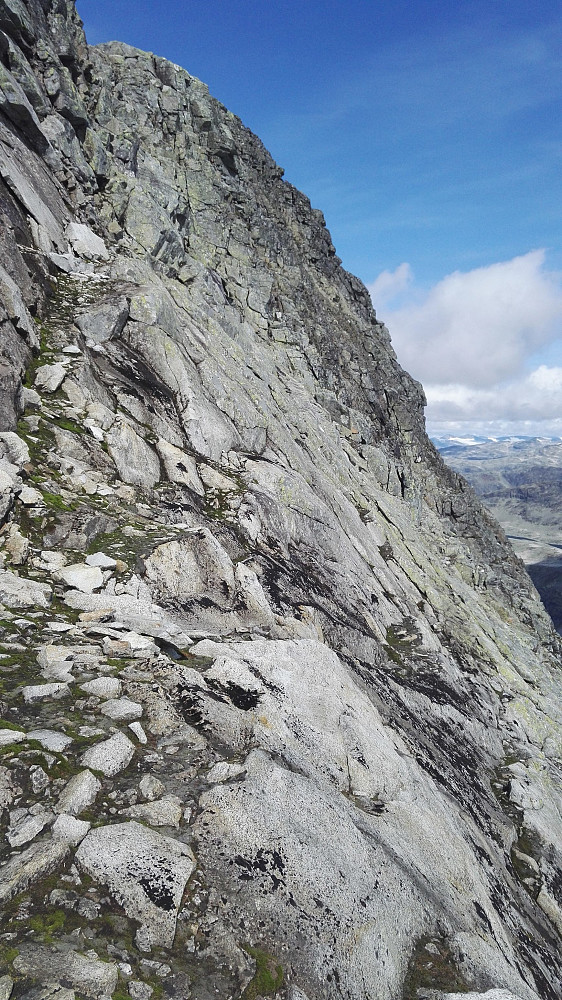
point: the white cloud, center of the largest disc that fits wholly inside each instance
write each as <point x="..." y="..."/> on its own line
<point x="390" y="284"/>
<point x="477" y="328"/>
<point x="536" y="396"/>
<point x="472" y="339"/>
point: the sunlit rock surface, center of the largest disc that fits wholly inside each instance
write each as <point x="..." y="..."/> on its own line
<point x="302" y="700"/>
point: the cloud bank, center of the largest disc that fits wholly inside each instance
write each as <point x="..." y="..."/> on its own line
<point x="475" y="340"/>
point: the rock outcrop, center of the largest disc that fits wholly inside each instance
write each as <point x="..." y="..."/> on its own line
<point x="281" y="708"/>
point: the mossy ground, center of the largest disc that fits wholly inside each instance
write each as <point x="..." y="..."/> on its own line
<point x="268" y="977"/>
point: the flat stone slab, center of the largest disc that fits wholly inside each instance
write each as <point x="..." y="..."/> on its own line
<point x="87" y="975"/>
<point x="49" y="378"/>
<point x="8" y="736"/>
<point x="145" y="872"/>
<point x="50" y="739"/>
<point x="18" y="592"/>
<point x="70" y="829"/>
<point x="39" y="692"/>
<point x="82" y="577"/>
<point x="86" y="243"/>
<point x="24" y="826"/>
<point x="34" y="863"/>
<point x="100" y="559"/>
<point x="121" y="709"/>
<point x="166" y="811"/>
<point x="103" y="687"/>
<point x="111" y="756"/>
<point x="78" y="794"/>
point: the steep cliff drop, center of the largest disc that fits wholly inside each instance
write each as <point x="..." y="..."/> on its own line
<point x="281" y="709"/>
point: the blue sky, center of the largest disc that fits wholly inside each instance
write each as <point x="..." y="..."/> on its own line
<point x="428" y="133"/>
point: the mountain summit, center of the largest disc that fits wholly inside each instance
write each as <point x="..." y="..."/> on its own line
<point x="281" y="710"/>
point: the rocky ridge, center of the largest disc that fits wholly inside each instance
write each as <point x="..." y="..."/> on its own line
<point x="281" y="708"/>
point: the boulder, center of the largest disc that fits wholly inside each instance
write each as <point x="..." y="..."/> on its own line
<point x="145" y="872"/>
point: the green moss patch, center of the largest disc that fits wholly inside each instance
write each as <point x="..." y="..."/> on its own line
<point x="268" y="977"/>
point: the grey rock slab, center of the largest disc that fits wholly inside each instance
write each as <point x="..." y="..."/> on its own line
<point x="6" y="987"/>
<point x="19" y="593"/>
<point x="100" y="559"/>
<point x="151" y="787"/>
<point x="79" y="794"/>
<point x="50" y="654"/>
<point x="121" y="709"/>
<point x="103" y="687"/>
<point x="179" y="467"/>
<point x="90" y="976"/>
<point x="69" y="829"/>
<point x="144" y="871"/>
<point x="111" y="756"/>
<point x="42" y="692"/>
<point x="139" y="990"/>
<point x="82" y="577"/>
<point x="50" y="739"/>
<point x="135" y="460"/>
<point x="30" y="497"/>
<point x="26" y="827"/>
<point x="34" y="863"/>
<point x="166" y="811"/>
<point x="139" y="732"/>
<point x="15" y="448"/>
<point x="8" y="736"/>
<point x="49" y="378"/>
<point x="85" y="242"/>
<point x="488" y="995"/>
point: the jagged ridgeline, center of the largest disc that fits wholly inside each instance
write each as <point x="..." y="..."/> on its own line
<point x="280" y="707"/>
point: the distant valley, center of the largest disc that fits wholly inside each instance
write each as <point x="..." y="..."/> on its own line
<point x="520" y="481"/>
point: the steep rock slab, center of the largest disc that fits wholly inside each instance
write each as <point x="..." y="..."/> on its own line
<point x="145" y="872"/>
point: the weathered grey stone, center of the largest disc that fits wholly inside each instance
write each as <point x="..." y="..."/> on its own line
<point x="82" y="577"/>
<point x="85" y="243"/>
<point x="6" y="987"/>
<point x="138" y="731"/>
<point x="179" y="467"/>
<point x="29" y="496"/>
<point x="111" y="756"/>
<point x="150" y="787"/>
<point x="121" y="709"/>
<point x="24" y="826"/>
<point x="103" y="687"/>
<point x="166" y="811"/>
<point x="139" y="990"/>
<point x="50" y="739"/>
<point x="144" y="871"/>
<point x="40" y="692"/>
<point x="32" y="864"/>
<point x="69" y="829"/>
<point x="49" y="378"/>
<point x="87" y="975"/>
<point x="18" y="592"/>
<point x="79" y="794"/>
<point x="135" y="460"/>
<point x="8" y="736"/>
<point x="100" y="559"/>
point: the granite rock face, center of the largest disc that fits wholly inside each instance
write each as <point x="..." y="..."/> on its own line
<point x="220" y="515"/>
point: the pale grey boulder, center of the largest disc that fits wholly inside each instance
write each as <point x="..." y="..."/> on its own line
<point x="110" y="756"/>
<point x="88" y="975"/>
<point x="144" y="871"/>
<point x="79" y="794"/>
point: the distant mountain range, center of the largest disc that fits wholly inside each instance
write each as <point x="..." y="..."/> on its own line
<point x="520" y="480"/>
